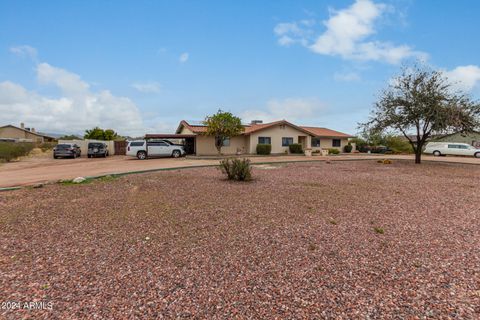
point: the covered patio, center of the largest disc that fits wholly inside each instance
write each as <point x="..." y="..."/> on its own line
<point x="188" y="141"/>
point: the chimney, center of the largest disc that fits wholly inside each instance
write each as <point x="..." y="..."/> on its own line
<point x="22" y="125"/>
<point x="32" y="130"/>
<point x="253" y="122"/>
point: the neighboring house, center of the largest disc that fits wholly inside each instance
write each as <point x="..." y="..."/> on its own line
<point x="22" y="134"/>
<point x="472" y="138"/>
<point x="280" y="134"/>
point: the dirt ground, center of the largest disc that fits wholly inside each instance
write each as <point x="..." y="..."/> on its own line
<point x="344" y="240"/>
<point x="43" y="169"/>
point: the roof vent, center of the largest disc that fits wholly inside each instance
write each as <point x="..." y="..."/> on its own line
<point x="253" y="122"/>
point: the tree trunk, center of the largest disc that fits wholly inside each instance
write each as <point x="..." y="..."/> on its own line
<point x="418" y="155"/>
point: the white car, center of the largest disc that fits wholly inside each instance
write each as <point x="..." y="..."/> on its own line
<point x="451" y="148"/>
<point x="142" y="149"/>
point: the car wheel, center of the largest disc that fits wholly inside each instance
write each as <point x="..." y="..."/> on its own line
<point x="74" y="155"/>
<point x="437" y="153"/>
<point x="176" y="153"/>
<point x="142" y="155"/>
<point x="477" y="155"/>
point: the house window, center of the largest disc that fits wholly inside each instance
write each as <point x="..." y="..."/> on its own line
<point x="264" y="140"/>
<point x="336" y="143"/>
<point x="226" y="142"/>
<point x="286" y="141"/>
<point x="315" y="142"/>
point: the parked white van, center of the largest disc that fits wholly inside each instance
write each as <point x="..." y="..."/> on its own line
<point x="451" y="148"/>
<point x="143" y="149"/>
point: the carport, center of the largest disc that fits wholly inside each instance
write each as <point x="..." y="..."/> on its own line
<point x="188" y="140"/>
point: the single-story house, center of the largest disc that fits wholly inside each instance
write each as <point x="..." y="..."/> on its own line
<point x="22" y="134"/>
<point x="280" y="134"/>
<point x="472" y="138"/>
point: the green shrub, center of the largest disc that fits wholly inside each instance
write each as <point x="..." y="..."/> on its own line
<point x="13" y="150"/>
<point x="264" y="148"/>
<point x="398" y="144"/>
<point x="333" y="151"/>
<point x="348" y="148"/>
<point x="295" y="148"/>
<point x="45" y="146"/>
<point x="236" y="169"/>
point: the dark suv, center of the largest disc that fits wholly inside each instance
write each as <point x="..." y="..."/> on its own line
<point x="65" y="150"/>
<point x="97" y="149"/>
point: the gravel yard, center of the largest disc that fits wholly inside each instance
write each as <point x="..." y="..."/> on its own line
<point x="354" y="239"/>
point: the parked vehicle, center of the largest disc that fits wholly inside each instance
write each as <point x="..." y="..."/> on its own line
<point x="97" y="149"/>
<point x="64" y="150"/>
<point x="451" y="148"/>
<point x="143" y="149"/>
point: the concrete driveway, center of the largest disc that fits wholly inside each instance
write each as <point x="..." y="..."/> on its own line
<point x="45" y="169"/>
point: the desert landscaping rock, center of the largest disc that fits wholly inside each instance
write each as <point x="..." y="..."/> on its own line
<point x="296" y="242"/>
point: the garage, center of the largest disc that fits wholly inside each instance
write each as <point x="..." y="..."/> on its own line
<point x="188" y="141"/>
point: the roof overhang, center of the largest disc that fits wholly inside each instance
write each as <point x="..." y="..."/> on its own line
<point x="168" y="136"/>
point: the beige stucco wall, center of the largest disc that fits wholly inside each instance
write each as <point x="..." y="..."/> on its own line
<point x="185" y="131"/>
<point x="205" y="145"/>
<point x="326" y="143"/>
<point x="14" y="133"/>
<point x="276" y="133"/>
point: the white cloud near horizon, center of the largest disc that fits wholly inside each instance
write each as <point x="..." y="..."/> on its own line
<point x="348" y="34"/>
<point x="76" y="109"/>
<point x="464" y="77"/>
<point x="147" y="87"/>
<point x="183" y="57"/>
<point x="290" y="109"/>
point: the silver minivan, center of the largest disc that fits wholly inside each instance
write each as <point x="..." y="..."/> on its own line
<point x="143" y="149"/>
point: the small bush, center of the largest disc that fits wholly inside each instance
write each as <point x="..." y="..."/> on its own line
<point x="264" y="148"/>
<point x="379" y="230"/>
<point x="13" y="150"/>
<point x="333" y="151"/>
<point x="385" y="161"/>
<point x="348" y="148"/>
<point x="47" y="146"/>
<point x="236" y="169"/>
<point x="295" y="148"/>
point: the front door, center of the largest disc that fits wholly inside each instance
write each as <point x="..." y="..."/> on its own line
<point x="157" y="148"/>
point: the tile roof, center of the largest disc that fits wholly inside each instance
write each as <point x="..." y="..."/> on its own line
<point x="251" y="128"/>
<point x="324" y="132"/>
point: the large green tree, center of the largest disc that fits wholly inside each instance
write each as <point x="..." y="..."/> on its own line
<point x="100" y="134"/>
<point x="422" y="102"/>
<point x="222" y="125"/>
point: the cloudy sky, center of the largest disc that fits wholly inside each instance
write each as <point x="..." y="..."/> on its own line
<point x="142" y="66"/>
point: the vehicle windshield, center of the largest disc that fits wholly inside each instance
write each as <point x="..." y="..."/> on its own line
<point x="95" y="145"/>
<point x="63" y="146"/>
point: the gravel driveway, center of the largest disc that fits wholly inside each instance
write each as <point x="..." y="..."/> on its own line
<point x="307" y="240"/>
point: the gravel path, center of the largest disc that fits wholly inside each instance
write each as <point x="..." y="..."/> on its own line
<point x="308" y="240"/>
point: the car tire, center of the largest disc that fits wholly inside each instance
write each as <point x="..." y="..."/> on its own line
<point x="74" y="156"/>
<point x="477" y="155"/>
<point x="141" y="155"/>
<point x="437" y="153"/>
<point x="176" y="154"/>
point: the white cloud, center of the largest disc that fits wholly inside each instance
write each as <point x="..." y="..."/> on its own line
<point x="347" y="35"/>
<point x="465" y="77"/>
<point x="346" y="76"/>
<point x="78" y="107"/>
<point x="24" y="51"/>
<point x="290" y="109"/>
<point x="147" y="87"/>
<point x="294" y="32"/>
<point x="183" y="57"/>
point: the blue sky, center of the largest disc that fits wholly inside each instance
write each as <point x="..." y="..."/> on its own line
<point x="142" y="66"/>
